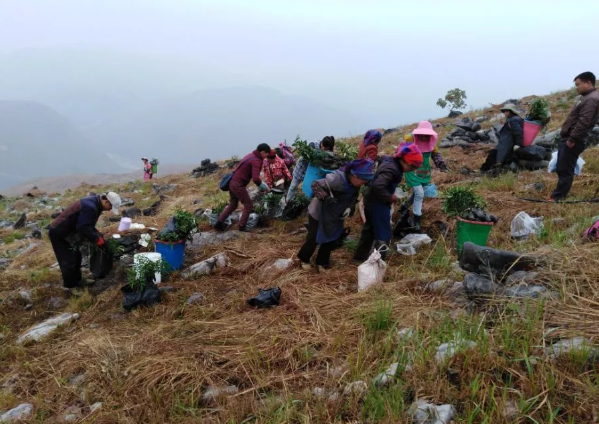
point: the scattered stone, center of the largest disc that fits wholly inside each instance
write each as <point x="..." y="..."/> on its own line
<point x="5" y="263"/>
<point x="57" y="302"/>
<point x="21" y="222"/>
<point x="423" y="412"/>
<point x="207" y="266"/>
<point x="493" y="137"/>
<point x="282" y="264"/>
<point x="168" y="188"/>
<point x="94" y="326"/>
<point x="510" y="411"/>
<point x="356" y="388"/>
<point x="201" y="240"/>
<point x="25" y="295"/>
<point x="5" y="224"/>
<point x="41" y="330"/>
<point x="132" y="213"/>
<point x="215" y="392"/>
<point x="405" y="333"/>
<point x="454" y="114"/>
<point x="525" y="290"/>
<point x="72" y="414"/>
<point x="206" y="168"/>
<point x="127" y="201"/>
<point x="93" y="408"/>
<point x="77" y="380"/>
<point x="568" y="346"/>
<point x="480" y="119"/>
<point x="386" y="377"/>
<point x="21" y="412"/>
<point x="521" y="277"/>
<point x="438" y="286"/>
<point x="447" y="350"/>
<point x="195" y="299"/>
<point x="477" y="286"/>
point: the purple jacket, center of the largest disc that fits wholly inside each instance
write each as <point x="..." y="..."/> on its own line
<point x="249" y="169"/>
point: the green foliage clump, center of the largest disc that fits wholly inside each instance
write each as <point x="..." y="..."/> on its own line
<point x="347" y="152"/>
<point x="460" y="199"/>
<point x="321" y="158"/>
<point x="539" y="112"/>
<point x="185" y="226"/>
<point x="219" y="207"/>
<point x="144" y="271"/>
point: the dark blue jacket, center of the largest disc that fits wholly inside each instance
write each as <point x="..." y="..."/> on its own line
<point x="386" y="179"/>
<point x="79" y="218"/>
<point x="511" y="134"/>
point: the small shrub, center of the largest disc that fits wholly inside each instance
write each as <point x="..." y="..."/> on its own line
<point x="380" y="318"/>
<point x="460" y="199"/>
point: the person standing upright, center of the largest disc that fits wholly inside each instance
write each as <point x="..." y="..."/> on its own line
<point x="247" y="170"/>
<point x="575" y="130"/>
<point x="148" y="172"/>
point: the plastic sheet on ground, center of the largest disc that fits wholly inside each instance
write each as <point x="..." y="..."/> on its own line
<point x="523" y="225"/>
<point x="409" y="245"/>
<point x="552" y="167"/>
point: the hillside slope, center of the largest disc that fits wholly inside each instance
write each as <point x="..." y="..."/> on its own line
<point x="318" y="357"/>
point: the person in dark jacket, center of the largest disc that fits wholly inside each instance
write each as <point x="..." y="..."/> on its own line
<point x="510" y="135"/>
<point x="78" y="222"/>
<point x="379" y="197"/>
<point x="575" y="130"/>
<point x="335" y="198"/>
<point x="248" y="170"/>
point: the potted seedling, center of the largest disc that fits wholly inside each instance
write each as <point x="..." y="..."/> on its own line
<point x="474" y="224"/>
<point x="141" y="289"/>
<point x="170" y="242"/>
<point x="538" y="116"/>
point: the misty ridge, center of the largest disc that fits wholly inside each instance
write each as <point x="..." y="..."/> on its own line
<point x="104" y="110"/>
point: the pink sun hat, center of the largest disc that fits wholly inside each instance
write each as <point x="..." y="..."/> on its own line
<point x="425" y="128"/>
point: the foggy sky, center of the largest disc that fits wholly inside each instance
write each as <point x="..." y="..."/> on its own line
<point x="386" y="62"/>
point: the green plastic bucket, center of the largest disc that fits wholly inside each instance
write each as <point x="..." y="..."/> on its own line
<point x="474" y="232"/>
<point x="154" y="169"/>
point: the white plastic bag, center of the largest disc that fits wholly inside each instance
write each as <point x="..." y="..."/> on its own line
<point x="372" y="271"/>
<point x="409" y="245"/>
<point x="524" y="225"/>
<point x="552" y="167"/>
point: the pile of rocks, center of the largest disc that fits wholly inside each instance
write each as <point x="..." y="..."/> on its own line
<point x="206" y="168"/>
<point x="468" y="132"/>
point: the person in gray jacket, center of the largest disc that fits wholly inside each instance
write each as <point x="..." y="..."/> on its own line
<point x="576" y="128"/>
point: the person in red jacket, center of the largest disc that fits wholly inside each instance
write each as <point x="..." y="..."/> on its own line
<point x="275" y="169"/>
<point x="247" y="170"/>
<point x="369" y="147"/>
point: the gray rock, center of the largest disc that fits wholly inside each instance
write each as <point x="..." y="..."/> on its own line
<point x="72" y="414"/>
<point x="447" y="143"/>
<point x="20" y="413"/>
<point x="447" y="350"/>
<point x="77" y="380"/>
<point x="575" y="345"/>
<point x="493" y="138"/>
<point x="127" y="201"/>
<point x="57" y="302"/>
<point x="41" y="330"/>
<point x="405" y="333"/>
<point x="477" y="286"/>
<point x="201" y="240"/>
<point x="215" y="392"/>
<point x="538" y="186"/>
<point x="521" y="277"/>
<point x="356" y="388"/>
<point x="459" y="132"/>
<point x="25" y="295"/>
<point x="480" y="119"/>
<point x="5" y="263"/>
<point x="475" y="127"/>
<point x="207" y="266"/>
<point x="482" y="135"/>
<point x="168" y="188"/>
<point x="132" y="212"/>
<point x="454" y="114"/>
<point x="282" y="264"/>
<point x="93" y="408"/>
<point x="195" y="299"/>
<point x="525" y="290"/>
<point x="5" y="224"/>
<point x="510" y="411"/>
<point x="321" y="393"/>
<point x="423" y="412"/>
<point x="438" y="286"/>
<point x="386" y="377"/>
<point x="21" y="222"/>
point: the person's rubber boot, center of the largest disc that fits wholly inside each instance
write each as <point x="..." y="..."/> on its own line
<point x="323" y="269"/>
<point x="219" y="226"/>
<point x="306" y="266"/>
<point x="417" y="219"/>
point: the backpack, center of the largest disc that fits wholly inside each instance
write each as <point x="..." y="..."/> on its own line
<point x="592" y="233"/>
<point x="288" y="156"/>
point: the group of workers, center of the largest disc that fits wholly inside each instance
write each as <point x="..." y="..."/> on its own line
<point x="334" y="197"/>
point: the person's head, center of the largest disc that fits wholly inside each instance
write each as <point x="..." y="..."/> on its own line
<point x="425" y="137"/>
<point x="372" y="137"/>
<point x="328" y="143"/>
<point x="360" y="171"/>
<point x="509" y="109"/>
<point x="263" y="149"/>
<point x="145" y="160"/>
<point x="272" y="155"/>
<point x="409" y="157"/>
<point x="111" y="201"/>
<point x="279" y="152"/>
<point x="585" y="82"/>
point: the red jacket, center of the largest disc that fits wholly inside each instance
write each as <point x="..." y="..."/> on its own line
<point x="274" y="171"/>
<point x="249" y="169"/>
<point x="370" y="151"/>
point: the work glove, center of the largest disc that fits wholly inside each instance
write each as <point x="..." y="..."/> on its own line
<point x="264" y="187"/>
<point x="346" y="213"/>
<point x="100" y="242"/>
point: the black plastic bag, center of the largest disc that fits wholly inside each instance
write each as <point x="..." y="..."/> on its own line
<point x="266" y="298"/>
<point x="100" y="262"/>
<point x="292" y="211"/>
<point x="132" y="298"/>
<point x="404" y="224"/>
<point x="170" y="226"/>
<point x="340" y="242"/>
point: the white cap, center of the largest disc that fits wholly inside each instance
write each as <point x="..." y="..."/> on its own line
<point x="115" y="201"/>
<point x="144" y="158"/>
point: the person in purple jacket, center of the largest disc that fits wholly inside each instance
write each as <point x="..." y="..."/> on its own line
<point x="248" y="170"/>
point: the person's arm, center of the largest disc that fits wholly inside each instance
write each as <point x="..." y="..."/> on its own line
<point x="256" y="166"/>
<point x="517" y="131"/>
<point x="586" y="121"/>
<point x="86" y="224"/>
<point x="267" y="173"/>
<point x="438" y="160"/>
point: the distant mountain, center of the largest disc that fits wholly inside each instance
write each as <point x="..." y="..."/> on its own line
<point x="219" y="123"/>
<point x="36" y="141"/>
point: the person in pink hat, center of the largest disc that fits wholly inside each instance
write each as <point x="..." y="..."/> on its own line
<point x="419" y="180"/>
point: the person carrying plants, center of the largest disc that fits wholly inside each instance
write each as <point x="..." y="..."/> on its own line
<point x="379" y="197"/>
<point x="369" y="147"/>
<point x="327" y="144"/>
<point x="510" y="135"/>
<point x="419" y="180"/>
<point x="335" y="198"/>
<point x="575" y="130"/>
<point x="78" y="222"/>
<point x="286" y="153"/>
<point x="275" y="169"/>
<point x="247" y="170"/>
<point x="148" y="172"/>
